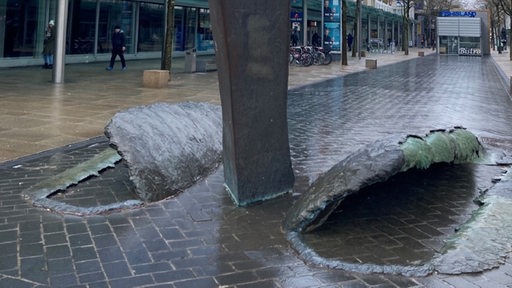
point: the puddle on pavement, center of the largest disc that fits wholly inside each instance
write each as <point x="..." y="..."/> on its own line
<point x="117" y="188"/>
<point x="405" y="220"/>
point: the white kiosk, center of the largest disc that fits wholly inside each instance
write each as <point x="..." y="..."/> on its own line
<point x="463" y="33"/>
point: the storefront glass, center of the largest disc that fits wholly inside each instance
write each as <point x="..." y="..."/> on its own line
<point x="470" y="46"/>
<point x="453" y="45"/>
<point x="114" y="13"/>
<point x="448" y="45"/>
<point x="19" y="28"/>
<point x="185" y="19"/>
<point x="204" y="31"/>
<point x="81" y="27"/>
<point x="151" y="27"/>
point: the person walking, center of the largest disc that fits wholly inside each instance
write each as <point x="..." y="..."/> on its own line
<point x="48" y="45"/>
<point x="118" y="48"/>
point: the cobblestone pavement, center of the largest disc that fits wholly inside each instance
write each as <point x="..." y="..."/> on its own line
<point x="199" y="239"/>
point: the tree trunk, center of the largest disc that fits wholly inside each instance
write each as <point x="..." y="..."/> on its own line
<point x="428" y="36"/>
<point x="357" y="33"/>
<point x="169" y="35"/>
<point x="344" y="50"/>
<point x="405" y="31"/>
<point x="508" y="43"/>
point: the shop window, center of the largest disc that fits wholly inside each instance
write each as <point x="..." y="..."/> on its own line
<point x="190" y="28"/>
<point x="449" y="45"/>
<point x="19" y="28"/>
<point x="114" y="13"/>
<point x="151" y="27"/>
<point x="81" y="27"/>
<point x="204" y="31"/>
<point x="185" y="25"/>
<point x="470" y="46"/>
<point x="443" y="44"/>
<point x="453" y="45"/>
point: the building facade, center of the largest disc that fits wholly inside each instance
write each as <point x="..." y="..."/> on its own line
<point x="90" y="22"/>
<point x="89" y="28"/>
<point x="380" y="22"/>
<point x="464" y="33"/>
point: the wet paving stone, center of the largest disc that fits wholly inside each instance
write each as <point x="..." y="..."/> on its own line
<point x="199" y="239"/>
<point x="402" y="221"/>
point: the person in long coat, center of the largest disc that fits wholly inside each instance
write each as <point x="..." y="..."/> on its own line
<point x="49" y="45"/>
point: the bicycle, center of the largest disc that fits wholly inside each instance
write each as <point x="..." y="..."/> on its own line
<point x="323" y="54"/>
<point x="300" y="56"/>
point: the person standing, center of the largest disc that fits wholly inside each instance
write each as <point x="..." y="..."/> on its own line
<point x="294" y="38"/>
<point x="350" y="39"/>
<point x="118" y="48"/>
<point x="48" y="45"/>
<point x="316" y="41"/>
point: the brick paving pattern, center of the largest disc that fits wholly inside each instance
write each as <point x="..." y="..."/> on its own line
<point x="199" y="239"/>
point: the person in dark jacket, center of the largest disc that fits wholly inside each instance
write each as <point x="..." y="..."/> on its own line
<point x="48" y="45"/>
<point x="118" y="48"/>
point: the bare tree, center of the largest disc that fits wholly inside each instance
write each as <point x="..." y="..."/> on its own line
<point x="497" y="18"/>
<point x="506" y="7"/>
<point x="432" y="9"/>
<point x="407" y="4"/>
<point x="357" y="33"/>
<point x="169" y="35"/>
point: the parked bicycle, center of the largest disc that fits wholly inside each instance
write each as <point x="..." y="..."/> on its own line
<point x="300" y="56"/>
<point x="321" y="56"/>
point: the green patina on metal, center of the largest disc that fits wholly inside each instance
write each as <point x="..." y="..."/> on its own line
<point x="40" y="192"/>
<point x="375" y="163"/>
<point x="451" y="146"/>
<point x="104" y="159"/>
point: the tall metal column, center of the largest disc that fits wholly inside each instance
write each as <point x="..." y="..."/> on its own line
<point x="60" y="42"/>
<point x="359" y="30"/>
<point x="252" y="58"/>
<point x="305" y="22"/>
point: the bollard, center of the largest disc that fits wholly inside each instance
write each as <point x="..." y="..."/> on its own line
<point x="371" y="63"/>
<point x="155" y="78"/>
<point x="421" y="53"/>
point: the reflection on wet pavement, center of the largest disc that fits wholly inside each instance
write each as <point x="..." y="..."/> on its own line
<point x="405" y="220"/>
<point x="200" y="239"/>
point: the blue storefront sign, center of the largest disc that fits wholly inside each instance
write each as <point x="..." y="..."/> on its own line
<point x="457" y="14"/>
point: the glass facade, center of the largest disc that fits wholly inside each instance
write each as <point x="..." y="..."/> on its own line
<point x="151" y="27"/>
<point x="465" y="36"/>
<point x="20" y="22"/>
<point x="90" y="26"/>
<point x="455" y="45"/>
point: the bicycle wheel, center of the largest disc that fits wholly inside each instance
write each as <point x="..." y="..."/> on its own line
<point x="318" y="58"/>
<point x="306" y="59"/>
<point x="327" y="59"/>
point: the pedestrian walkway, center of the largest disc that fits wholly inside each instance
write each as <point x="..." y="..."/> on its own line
<point x="37" y="115"/>
<point x="198" y="238"/>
